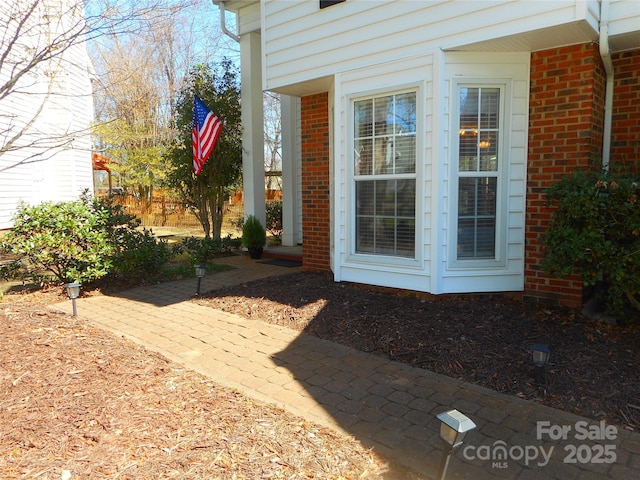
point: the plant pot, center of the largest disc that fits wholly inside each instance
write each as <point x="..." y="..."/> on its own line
<point x="255" y="253"/>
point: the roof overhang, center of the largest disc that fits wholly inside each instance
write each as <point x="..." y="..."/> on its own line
<point x="235" y="5"/>
<point x="534" y="40"/>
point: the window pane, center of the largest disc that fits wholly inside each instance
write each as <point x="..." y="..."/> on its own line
<point x="466" y="197"/>
<point x="489" y="108"/>
<point x="405" y="154"/>
<point x="469" y="108"/>
<point x="405" y="113"/>
<point x="468" y="151"/>
<point x="486" y="238"/>
<point x="363" y="118"/>
<point x="383" y="115"/>
<point x="362" y="155"/>
<point x="385" y="198"/>
<point x="488" y="151"/>
<point x="385" y="217"/>
<point x="383" y="156"/>
<point x="477" y="217"/>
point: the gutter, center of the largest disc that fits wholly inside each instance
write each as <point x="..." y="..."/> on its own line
<point x="605" y="54"/>
<point x="223" y="25"/>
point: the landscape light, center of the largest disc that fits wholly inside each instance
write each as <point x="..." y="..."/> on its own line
<point x="453" y="428"/>
<point x="201" y="271"/>
<point x="73" y="291"/>
<point x="540" y="356"/>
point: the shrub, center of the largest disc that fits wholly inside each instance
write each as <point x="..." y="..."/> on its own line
<point x="595" y="233"/>
<point x="203" y="250"/>
<point x="136" y="252"/>
<point x="64" y="239"/>
<point x="253" y="233"/>
<point x="82" y="241"/>
<point x="274" y="220"/>
<point x="139" y="254"/>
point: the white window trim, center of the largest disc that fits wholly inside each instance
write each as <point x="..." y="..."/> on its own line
<point x="500" y="260"/>
<point x="352" y="256"/>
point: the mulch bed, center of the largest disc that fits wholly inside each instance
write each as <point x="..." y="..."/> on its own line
<point x="486" y="340"/>
<point x="77" y="403"/>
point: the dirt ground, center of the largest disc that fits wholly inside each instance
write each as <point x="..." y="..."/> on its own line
<point x="594" y="369"/>
<point x="79" y="403"/>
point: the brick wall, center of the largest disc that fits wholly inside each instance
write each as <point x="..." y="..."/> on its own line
<point x="625" y="128"/>
<point x="565" y="133"/>
<point x="315" y="182"/>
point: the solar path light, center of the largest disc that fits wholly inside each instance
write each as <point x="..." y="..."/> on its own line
<point x="453" y="428"/>
<point x="201" y="270"/>
<point x="540" y="356"/>
<point x="73" y="291"/>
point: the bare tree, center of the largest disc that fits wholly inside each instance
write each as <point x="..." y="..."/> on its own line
<point x="139" y="77"/>
<point x="42" y="43"/>
<point x="272" y="140"/>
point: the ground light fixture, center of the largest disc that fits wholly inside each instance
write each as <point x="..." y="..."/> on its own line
<point x="453" y="428"/>
<point x="73" y="291"/>
<point x="540" y="355"/>
<point x="201" y="271"/>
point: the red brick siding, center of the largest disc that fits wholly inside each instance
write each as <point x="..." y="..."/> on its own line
<point x="625" y="128"/>
<point x="316" y="230"/>
<point x="565" y="133"/>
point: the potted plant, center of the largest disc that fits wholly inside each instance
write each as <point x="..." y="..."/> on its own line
<point x="254" y="236"/>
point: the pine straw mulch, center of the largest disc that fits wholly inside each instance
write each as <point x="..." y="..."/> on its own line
<point x="486" y="340"/>
<point x="79" y="403"/>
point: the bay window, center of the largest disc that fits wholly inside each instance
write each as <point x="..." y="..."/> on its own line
<point x="384" y="173"/>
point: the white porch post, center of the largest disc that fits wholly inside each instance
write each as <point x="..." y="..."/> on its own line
<point x="289" y="114"/>
<point x="253" y="126"/>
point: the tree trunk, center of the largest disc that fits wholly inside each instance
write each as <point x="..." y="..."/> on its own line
<point x="217" y="211"/>
<point x="202" y="211"/>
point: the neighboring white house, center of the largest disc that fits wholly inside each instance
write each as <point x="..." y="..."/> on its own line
<point x="45" y="117"/>
<point x="425" y="132"/>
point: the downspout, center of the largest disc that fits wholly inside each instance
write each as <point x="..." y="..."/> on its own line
<point x="223" y="24"/>
<point x="605" y="54"/>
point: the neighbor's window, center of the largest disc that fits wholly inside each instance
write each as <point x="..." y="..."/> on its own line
<point x="478" y="162"/>
<point x="385" y="174"/>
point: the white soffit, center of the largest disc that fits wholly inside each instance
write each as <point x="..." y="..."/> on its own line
<point x="535" y="40"/>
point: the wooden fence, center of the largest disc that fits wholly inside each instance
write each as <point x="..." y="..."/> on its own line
<point x="165" y="212"/>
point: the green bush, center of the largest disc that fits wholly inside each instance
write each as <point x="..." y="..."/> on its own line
<point x="137" y="252"/>
<point x="595" y="233"/>
<point x="61" y="239"/>
<point x="253" y="233"/>
<point x="203" y="250"/>
<point x="274" y="220"/>
<point x="82" y="241"/>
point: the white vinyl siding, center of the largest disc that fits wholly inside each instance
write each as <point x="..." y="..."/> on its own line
<point x="302" y="42"/>
<point x="52" y="158"/>
<point x="248" y="18"/>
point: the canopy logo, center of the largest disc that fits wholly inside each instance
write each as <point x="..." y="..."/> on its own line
<point x="500" y="454"/>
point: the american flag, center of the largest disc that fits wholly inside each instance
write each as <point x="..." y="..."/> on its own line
<point x="205" y="132"/>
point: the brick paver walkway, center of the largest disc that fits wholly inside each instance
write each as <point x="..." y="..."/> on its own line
<point x="386" y="405"/>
